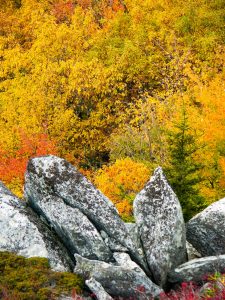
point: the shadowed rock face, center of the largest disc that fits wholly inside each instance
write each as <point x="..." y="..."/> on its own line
<point x="22" y="232"/>
<point x="196" y="269"/>
<point x="117" y="280"/>
<point x="161" y="226"/>
<point x="54" y="176"/>
<point x="206" y="231"/>
<point x="134" y="233"/>
<point x="73" y="227"/>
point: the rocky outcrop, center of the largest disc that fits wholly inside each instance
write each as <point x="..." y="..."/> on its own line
<point x="117" y="280"/>
<point x="161" y="226"/>
<point x="196" y="269"/>
<point x="206" y="231"/>
<point x="22" y="232"/>
<point x="116" y="259"/>
<point x="51" y="175"/>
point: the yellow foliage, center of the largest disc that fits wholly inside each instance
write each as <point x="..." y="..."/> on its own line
<point x="107" y="78"/>
<point x="121" y="181"/>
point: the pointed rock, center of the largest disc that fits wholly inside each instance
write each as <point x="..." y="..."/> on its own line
<point x="206" y="230"/>
<point x="196" y="269"/>
<point x="161" y="226"/>
<point x="118" y="281"/>
<point x="22" y="232"/>
<point x="51" y="175"/>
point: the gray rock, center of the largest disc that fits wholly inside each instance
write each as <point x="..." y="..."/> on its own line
<point x="161" y="226"/>
<point x="192" y="253"/>
<point x="118" y="281"/>
<point x="206" y="230"/>
<point x="22" y="232"/>
<point x="134" y="234"/>
<point x="51" y="175"/>
<point x="112" y="243"/>
<point x="97" y="289"/>
<point x="196" y="269"/>
<point x="124" y="260"/>
<point x="72" y="226"/>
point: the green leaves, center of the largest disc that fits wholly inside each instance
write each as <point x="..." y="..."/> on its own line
<point x="183" y="171"/>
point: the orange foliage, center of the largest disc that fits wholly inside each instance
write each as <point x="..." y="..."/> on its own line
<point x="63" y="10"/>
<point x="84" y="3"/>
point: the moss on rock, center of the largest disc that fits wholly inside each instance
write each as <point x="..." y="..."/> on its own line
<point x="31" y="278"/>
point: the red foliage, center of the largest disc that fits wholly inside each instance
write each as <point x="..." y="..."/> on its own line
<point x="187" y="291"/>
<point x="13" y="164"/>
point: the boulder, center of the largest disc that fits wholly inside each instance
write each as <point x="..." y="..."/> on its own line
<point x="51" y="175"/>
<point x="197" y="269"/>
<point x="118" y="281"/>
<point x="22" y="232"/>
<point x="206" y="230"/>
<point x="97" y="289"/>
<point x="161" y="226"/>
<point x="72" y="226"/>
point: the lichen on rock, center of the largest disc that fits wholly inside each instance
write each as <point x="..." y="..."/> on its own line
<point x="23" y="232"/>
<point x="161" y="226"/>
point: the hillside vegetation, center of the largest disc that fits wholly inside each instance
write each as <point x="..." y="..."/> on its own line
<point x="117" y="88"/>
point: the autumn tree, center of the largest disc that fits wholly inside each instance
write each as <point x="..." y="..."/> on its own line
<point x="104" y="78"/>
<point x="121" y="182"/>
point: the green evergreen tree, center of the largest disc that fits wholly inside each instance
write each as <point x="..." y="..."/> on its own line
<point x="183" y="171"/>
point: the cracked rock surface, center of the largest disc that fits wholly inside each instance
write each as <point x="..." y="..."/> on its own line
<point x="117" y="280"/>
<point x="71" y="225"/>
<point x="51" y="175"/>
